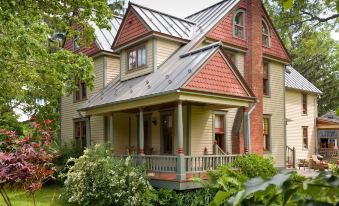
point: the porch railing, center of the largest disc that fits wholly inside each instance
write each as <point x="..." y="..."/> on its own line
<point x="290" y="157"/>
<point x="207" y="162"/>
<point x="160" y="163"/>
<point x="328" y="152"/>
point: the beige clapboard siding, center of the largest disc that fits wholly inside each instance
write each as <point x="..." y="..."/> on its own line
<point x="124" y="63"/>
<point x="112" y="68"/>
<point x="239" y="62"/>
<point x="165" y="48"/>
<point x="296" y="120"/>
<point x="201" y="130"/>
<point x="69" y="108"/>
<point x="274" y="106"/>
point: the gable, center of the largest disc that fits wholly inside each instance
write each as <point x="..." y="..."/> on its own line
<point x="277" y="48"/>
<point x="89" y="50"/>
<point x="218" y="76"/>
<point x="223" y="30"/>
<point x="131" y="28"/>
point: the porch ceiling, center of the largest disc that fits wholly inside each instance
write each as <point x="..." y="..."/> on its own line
<point x="169" y="100"/>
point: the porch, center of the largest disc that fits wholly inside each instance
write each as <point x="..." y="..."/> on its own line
<point x="179" y="139"/>
<point x="327" y="138"/>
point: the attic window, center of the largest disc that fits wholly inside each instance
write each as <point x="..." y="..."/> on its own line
<point x="239" y="24"/>
<point x="266" y="39"/>
<point x="137" y="58"/>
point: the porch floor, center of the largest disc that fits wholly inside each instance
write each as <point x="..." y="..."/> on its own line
<point x="171" y="176"/>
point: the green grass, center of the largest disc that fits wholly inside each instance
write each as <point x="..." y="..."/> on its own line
<point x="47" y="196"/>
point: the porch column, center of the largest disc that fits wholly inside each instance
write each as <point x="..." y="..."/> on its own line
<point x="111" y="136"/>
<point x="88" y="131"/>
<point x="180" y="173"/>
<point x="141" y="131"/>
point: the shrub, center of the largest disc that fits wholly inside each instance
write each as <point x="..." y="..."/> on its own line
<point x="97" y="178"/>
<point x="254" y="165"/>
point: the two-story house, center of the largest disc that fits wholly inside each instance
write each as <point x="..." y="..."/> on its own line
<point x="185" y="95"/>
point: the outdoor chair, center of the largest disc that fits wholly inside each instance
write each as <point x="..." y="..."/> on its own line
<point x="317" y="164"/>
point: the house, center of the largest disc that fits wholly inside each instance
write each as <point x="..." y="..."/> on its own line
<point x="185" y="95"/>
<point x="301" y="114"/>
<point x="328" y="134"/>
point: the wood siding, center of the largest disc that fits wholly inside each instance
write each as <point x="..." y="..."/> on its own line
<point x="69" y="107"/>
<point x="201" y="130"/>
<point x="297" y="120"/>
<point x="125" y="74"/>
<point x="274" y="106"/>
<point x="164" y="49"/>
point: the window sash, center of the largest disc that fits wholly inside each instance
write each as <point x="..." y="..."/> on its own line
<point x="266" y="134"/>
<point x="305" y="137"/>
<point x="80" y="132"/>
<point x="304" y="102"/>
<point x="137" y="58"/>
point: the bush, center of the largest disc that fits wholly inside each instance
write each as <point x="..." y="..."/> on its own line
<point x="254" y="165"/>
<point x="97" y="178"/>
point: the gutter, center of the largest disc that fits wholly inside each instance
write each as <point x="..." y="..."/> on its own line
<point x="248" y="126"/>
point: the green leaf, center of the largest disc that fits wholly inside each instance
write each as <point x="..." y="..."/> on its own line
<point x="287" y="4"/>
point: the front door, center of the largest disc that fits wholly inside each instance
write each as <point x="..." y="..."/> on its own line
<point x="166" y="131"/>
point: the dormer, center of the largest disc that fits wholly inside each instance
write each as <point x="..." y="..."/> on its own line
<point x="147" y="38"/>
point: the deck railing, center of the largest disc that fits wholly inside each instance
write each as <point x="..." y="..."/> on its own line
<point x="160" y="163"/>
<point x="207" y="162"/>
<point x="192" y="164"/>
<point x="328" y="153"/>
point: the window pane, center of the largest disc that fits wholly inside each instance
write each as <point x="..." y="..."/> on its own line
<point x="132" y="59"/>
<point x="305" y="137"/>
<point x="304" y="99"/>
<point x="239" y="31"/>
<point x="83" y="89"/>
<point x="266" y="134"/>
<point x="141" y="56"/>
<point x="239" y="19"/>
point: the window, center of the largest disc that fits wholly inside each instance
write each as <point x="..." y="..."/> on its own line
<point x="239" y="24"/>
<point x="265" y="34"/>
<point x="304" y="100"/>
<point x="265" y="79"/>
<point x="137" y="58"/>
<point x="81" y="93"/>
<point x="305" y="137"/>
<point x="76" y="43"/>
<point x="80" y="132"/>
<point x="266" y="133"/>
<point x="219" y="131"/>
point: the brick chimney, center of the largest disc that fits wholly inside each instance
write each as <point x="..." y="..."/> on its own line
<point x="254" y="71"/>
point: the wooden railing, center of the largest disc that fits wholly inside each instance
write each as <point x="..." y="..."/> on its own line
<point x="290" y="157"/>
<point x="207" y="162"/>
<point x="328" y="153"/>
<point x="217" y="150"/>
<point x="160" y="163"/>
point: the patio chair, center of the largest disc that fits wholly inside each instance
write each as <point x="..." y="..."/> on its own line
<point x="303" y="163"/>
<point x="316" y="164"/>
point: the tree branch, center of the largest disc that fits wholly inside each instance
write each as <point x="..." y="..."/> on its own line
<point x="319" y="19"/>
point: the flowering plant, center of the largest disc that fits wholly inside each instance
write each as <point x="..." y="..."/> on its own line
<point x="26" y="161"/>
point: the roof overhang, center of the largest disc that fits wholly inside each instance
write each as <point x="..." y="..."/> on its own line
<point x="166" y="97"/>
<point x="302" y="91"/>
<point x="324" y="123"/>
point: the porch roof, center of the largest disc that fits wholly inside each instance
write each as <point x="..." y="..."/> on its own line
<point x="325" y="123"/>
<point x="168" y="79"/>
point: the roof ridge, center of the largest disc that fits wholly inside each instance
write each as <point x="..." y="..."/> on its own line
<point x="213" y="5"/>
<point x="153" y="10"/>
<point x="202" y="49"/>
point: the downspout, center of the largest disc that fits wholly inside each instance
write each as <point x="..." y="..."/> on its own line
<point x="248" y="126"/>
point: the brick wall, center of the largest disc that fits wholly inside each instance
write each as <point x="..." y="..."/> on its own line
<point x="254" y="72"/>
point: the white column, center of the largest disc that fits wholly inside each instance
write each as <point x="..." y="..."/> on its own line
<point x="180" y="170"/>
<point x="111" y="135"/>
<point x="141" y="131"/>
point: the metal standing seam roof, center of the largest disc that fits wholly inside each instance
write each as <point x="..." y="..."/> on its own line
<point x="104" y="37"/>
<point x="294" y="80"/>
<point x="165" y="23"/>
<point x="174" y="71"/>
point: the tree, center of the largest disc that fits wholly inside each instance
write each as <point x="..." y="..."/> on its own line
<point x="34" y="68"/>
<point x="26" y="161"/>
<point x="314" y="53"/>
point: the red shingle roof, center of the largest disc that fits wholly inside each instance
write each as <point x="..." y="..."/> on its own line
<point x="217" y="76"/>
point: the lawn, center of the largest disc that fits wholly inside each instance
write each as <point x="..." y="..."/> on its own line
<point x="47" y="196"/>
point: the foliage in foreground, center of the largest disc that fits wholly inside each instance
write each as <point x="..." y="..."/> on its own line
<point x="26" y="161"/>
<point x="285" y="189"/>
<point x="97" y="178"/>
